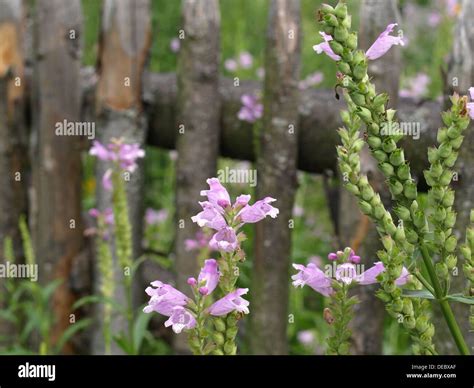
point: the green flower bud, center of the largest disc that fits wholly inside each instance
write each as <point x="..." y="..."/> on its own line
<point x="442" y="135"/>
<point x="436" y="170"/>
<point x="413" y="207"/>
<point x="397" y="305"/>
<point x="218" y="338"/>
<point x="448" y="198"/>
<point x="374" y="142"/>
<point x="410" y="190"/>
<point x="379" y="212"/>
<point x="456" y="143"/>
<point x="441" y="270"/>
<point x="347" y="22"/>
<point x="396" y="188"/>
<point x="231" y="332"/>
<point x="364" y="113"/>
<point x="451" y="262"/>
<point x="219" y="324"/>
<point x="450" y="161"/>
<point x="353" y="160"/>
<point x="353" y="189"/>
<point x="440" y="214"/>
<point x="389" y="146"/>
<point x="446" y="177"/>
<point x="367" y="193"/>
<point x="453" y="132"/>
<point x="352" y="41"/>
<point x="397" y="157"/>
<point x="336" y="47"/>
<point x="346" y="117"/>
<point x="390" y="114"/>
<point x="380" y="156"/>
<point x="403" y="213"/>
<point x="429" y="333"/>
<point x="365" y="207"/>
<point x="433" y="155"/>
<point x="410" y="322"/>
<point x="341" y="10"/>
<point x="447" y="118"/>
<point x="340" y="33"/>
<point x="412" y="236"/>
<point x="358" y="98"/>
<point x="470" y="235"/>
<point x="390" y="227"/>
<point x="445" y="150"/>
<point x="403" y="172"/>
<point x="217" y="352"/>
<point x="360" y="71"/>
<point x="408" y="307"/>
<point x="387" y="243"/>
<point x="450" y="244"/>
<point x="330" y="20"/>
<point x="450" y="220"/>
<point x="438" y="193"/>
<point x="400" y="235"/>
<point x="358" y="145"/>
<point x="373" y="129"/>
<point x="422" y="323"/>
<point x="419" y="220"/>
<point x="466" y="252"/>
<point x="471" y="216"/>
<point x="439" y="236"/>
<point x="389" y="287"/>
<point x="430" y="180"/>
<point x="387" y="169"/>
<point x="326" y="8"/>
<point x="194" y="342"/>
<point x="328" y="29"/>
<point x="230" y="348"/>
<point x="344" y="67"/>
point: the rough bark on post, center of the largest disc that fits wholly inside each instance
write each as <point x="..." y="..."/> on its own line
<point x="197" y="124"/>
<point x="460" y="78"/>
<point x="56" y="194"/>
<point x="13" y="147"/>
<point x="276" y="168"/>
<point x="125" y="40"/>
<point x="355" y="228"/>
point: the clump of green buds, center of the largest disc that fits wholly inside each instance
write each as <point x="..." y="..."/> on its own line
<point x="412" y="233"/>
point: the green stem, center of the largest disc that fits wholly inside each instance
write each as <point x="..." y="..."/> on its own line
<point x="445" y="307"/>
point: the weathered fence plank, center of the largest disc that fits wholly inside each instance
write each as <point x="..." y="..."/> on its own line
<point x="56" y="193"/>
<point x="276" y="169"/>
<point x="197" y="124"/>
<point x="13" y="147"/>
<point x="124" y="44"/>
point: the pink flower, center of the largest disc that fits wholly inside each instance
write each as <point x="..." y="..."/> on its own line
<point x="217" y="195"/>
<point x="128" y="154"/>
<point x="324" y="47"/>
<point x="470" y="105"/>
<point x="333" y="256"/>
<point x="180" y="319"/>
<point x="241" y="201"/>
<point x="231" y="65"/>
<point x="353" y="258"/>
<point x="107" y="180"/>
<point x="312" y="276"/>
<point x="258" y="211"/>
<point x="209" y="276"/>
<point x="245" y="60"/>
<point x="231" y="302"/>
<point x="260" y="73"/>
<point x="383" y="43"/>
<point x="224" y="240"/>
<point x="418" y="86"/>
<point x="107" y="215"/>
<point x="155" y="217"/>
<point x="100" y="151"/>
<point x="346" y="273"/>
<point x="311" y="80"/>
<point x="251" y="109"/>
<point x="453" y="7"/>
<point x="370" y="276"/>
<point x="434" y="18"/>
<point x="175" y="45"/>
<point x="164" y="298"/>
<point x="209" y="217"/>
<point x="200" y="241"/>
<point x="305" y="337"/>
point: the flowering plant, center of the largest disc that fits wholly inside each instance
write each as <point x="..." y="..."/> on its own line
<point x="418" y="235"/>
<point x="213" y="326"/>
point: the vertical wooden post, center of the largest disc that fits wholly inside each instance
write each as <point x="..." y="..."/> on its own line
<point x="459" y="79"/>
<point x="13" y="145"/>
<point x="124" y="45"/>
<point x="198" y="122"/>
<point x="356" y="229"/>
<point x="56" y="194"/>
<point x="276" y="166"/>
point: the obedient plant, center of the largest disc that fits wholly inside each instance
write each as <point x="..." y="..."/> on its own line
<point x="335" y="283"/>
<point x="212" y="326"/>
<point x="419" y="234"/>
<point x="122" y="159"/>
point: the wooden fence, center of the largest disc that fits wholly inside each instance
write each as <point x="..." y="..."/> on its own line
<point x="123" y="98"/>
